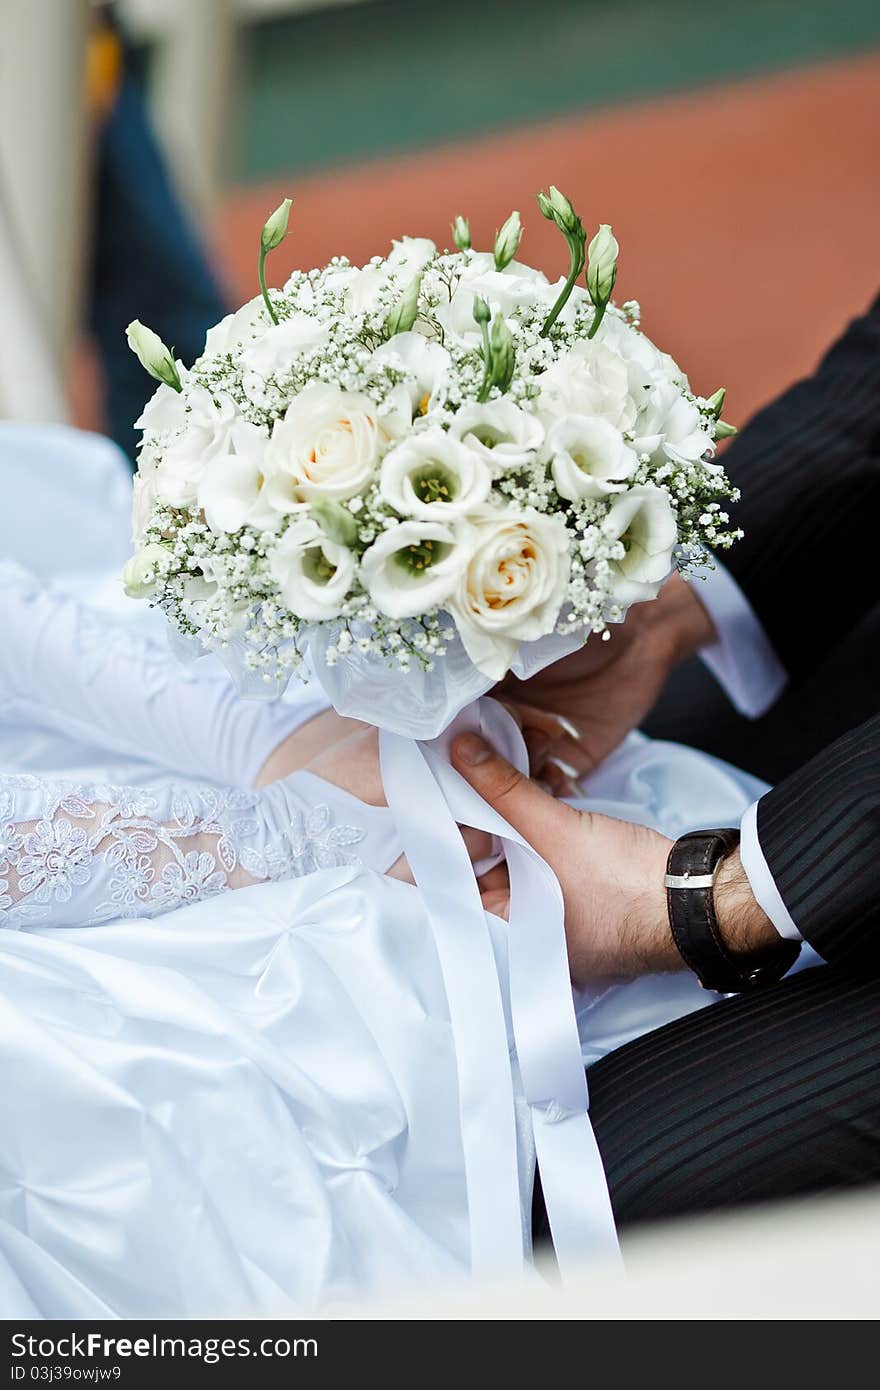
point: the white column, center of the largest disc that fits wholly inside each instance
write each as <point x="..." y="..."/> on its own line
<point x="30" y="382"/>
<point x="191" y="94"/>
<point x="44" y="161"/>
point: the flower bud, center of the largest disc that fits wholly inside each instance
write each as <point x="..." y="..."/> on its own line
<point x="140" y="575"/>
<point x="482" y="312"/>
<point x="152" y="354"/>
<point x="461" y="233"/>
<point x="507" y="241"/>
<point x="403" y="314"/>
<point x="335" y="521"/>
<point x="275" y="229"/>
<point x="602" y="265"/>
<point x="556" y="208"/>
<point x="503" y="353"/>
<point x="715" y="402"/>
<point x="724" y="431"/>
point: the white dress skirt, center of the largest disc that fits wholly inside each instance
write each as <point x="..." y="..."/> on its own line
<point x="248" y="1103"/>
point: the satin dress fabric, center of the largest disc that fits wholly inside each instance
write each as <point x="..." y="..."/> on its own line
<point x="250" y="1105"/>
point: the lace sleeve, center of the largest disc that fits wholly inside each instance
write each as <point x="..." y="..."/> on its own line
<point x="74" y="855"/>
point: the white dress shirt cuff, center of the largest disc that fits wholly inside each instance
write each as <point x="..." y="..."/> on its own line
<point x="761" y="880"/>
<point x="742" y="660"/>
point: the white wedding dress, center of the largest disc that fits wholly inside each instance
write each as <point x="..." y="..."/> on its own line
<point x="222" y="1103"/>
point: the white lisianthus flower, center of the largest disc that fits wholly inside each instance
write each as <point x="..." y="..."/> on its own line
<point x="505" y="290"/>
<point x="278" y="348"/>
<point x="327" y="445"/>
<point x="408" y="257"/>
<point x="643" y="519"/>
<point x="591" y="379"/>
<point x="426" y="365"/>
<point x="514" y="586"/>
<point x="143" y="497"/>
<point x="670" y="422"/>
<point x="212" y="425"/>
<point x="164" y="413"/>
<point x="414" y="567"/>
<point x="313" y="573"/>
<point x="647" y="366"/>
<point x="232" y="490"/>
<point x="505" y="436"/>
<point x="231" y="332"/>
<point x="434" y="477"/>
<point x="588" y="457"/>
<point x="142" y="572"/>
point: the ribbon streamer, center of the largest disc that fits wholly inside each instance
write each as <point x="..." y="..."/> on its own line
<point x="421" y="786"/>
<point x="442" y="869"/>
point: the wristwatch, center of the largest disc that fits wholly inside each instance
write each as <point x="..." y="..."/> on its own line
<point x="691" y="871"/>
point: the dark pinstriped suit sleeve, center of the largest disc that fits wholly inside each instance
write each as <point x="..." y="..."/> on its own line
<point x="808" y="467"/>
<point x="820" y="833"/>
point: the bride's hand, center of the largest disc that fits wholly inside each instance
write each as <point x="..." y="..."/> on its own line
<point x="352" y="764"/>
<point x="310" y="740"/>
<point x="575" y="712"/>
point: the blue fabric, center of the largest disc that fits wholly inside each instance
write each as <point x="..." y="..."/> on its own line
<point x="147" y="262"/>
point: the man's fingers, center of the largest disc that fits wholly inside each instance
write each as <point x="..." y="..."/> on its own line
<point x="496" y="877"/>
<point x="525" y="805"/>
<point x="478" y="843"/>
<point x="497" y="901"/>
<point x="400" y="869"/>
<point x="548" y="735"/>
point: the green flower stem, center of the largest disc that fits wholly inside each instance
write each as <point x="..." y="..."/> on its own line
<point x="597" y="318"/>
<point x="578" y="259"/>
<point x="486" y="386"/>
<point x="265" y="293"/>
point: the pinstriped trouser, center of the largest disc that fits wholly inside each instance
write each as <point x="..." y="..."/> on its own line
<point x="763" y="1096"/>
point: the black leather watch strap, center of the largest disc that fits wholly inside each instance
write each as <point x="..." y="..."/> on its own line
<point x="690" y="879"/>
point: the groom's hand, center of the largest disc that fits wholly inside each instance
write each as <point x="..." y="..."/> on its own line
<point x="611" y="874"/>
<point x="575" y="712"/>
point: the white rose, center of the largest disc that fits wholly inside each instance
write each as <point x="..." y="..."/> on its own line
<point x="414" y="567"/>
<point x="426" y="365"/>
<point x="313" y="573"/>
<point x="513" y="587"/>
<point x="588" y="457"/>
<point x="327" y="445"/>
<point x="232" y="489"/>
<point x="644" y="521"/>
<point x="591" y="379"/>
<point x="504" y="435"/>
<point x="434" y="477"/>
<point x="142" y="572"/>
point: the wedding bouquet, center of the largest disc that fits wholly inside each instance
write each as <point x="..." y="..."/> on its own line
<point x="434" y="446"/>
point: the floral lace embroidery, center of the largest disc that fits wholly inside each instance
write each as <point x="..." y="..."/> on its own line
<point x="150" y="867"/>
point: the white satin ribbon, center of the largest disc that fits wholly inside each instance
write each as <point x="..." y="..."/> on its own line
<point x="442" y="869"/>
<point x="421" y="786"/>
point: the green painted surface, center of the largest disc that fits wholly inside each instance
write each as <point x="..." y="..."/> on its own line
<point x="387" y="76"/>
